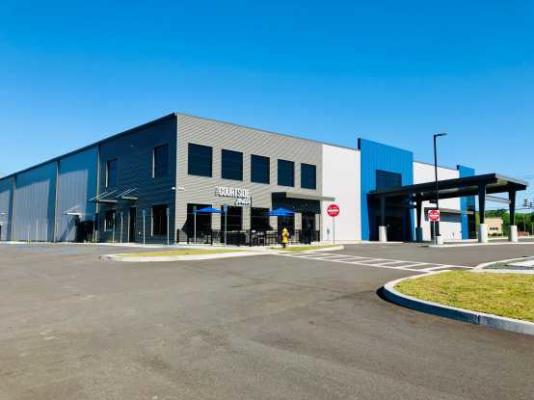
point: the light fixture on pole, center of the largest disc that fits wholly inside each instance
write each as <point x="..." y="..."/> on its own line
<point x="437" y="236"/>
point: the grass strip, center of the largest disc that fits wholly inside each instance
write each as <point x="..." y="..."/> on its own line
<point x="506" y="295"/>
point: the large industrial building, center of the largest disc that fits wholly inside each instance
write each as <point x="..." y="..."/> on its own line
<point x="184" y="178"/>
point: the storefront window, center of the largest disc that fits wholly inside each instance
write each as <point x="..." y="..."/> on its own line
<point x="259" y="219"/>
<point x="109" y="220"/>
<point x="159" y="219"/>
<point x="287" y="222"/>
<point x="203" y="220"/>
<point x="234" y="219"/>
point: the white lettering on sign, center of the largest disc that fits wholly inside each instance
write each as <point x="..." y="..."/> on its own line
<point x="236" y="193"/>
<point x="241" y="196"/>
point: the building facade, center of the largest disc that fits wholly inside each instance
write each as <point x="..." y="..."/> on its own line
<point x="182" y="177"/>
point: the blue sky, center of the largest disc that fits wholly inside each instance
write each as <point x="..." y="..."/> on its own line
<point x="395" y="72"/>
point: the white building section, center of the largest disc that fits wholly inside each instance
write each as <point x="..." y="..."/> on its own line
<point x="341" y="179"/>
<point x="450" y="225"/>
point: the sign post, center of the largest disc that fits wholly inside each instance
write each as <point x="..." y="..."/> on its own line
<point x="333" y="211"/>
<point x="434" y="217"/>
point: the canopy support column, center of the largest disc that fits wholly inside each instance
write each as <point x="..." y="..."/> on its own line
<point x="482" y="229"/>
<point x="513" y="237"/>
<point x="382" y="230"/>
<point x="419" y="215"/>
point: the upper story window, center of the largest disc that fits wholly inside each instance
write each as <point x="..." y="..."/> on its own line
<point x="286" y="173"/>
<point x="387" y="180"/>
<point x="308" y="176"/>
<point x="259" y="169"/>
<point x="199" y="160"/>
<point x="111" y="173"/>
<point x="232" y="165"/>
<point x="160" y="161"/>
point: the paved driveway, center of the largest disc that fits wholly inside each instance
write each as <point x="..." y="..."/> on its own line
<point x="266" y="327"/>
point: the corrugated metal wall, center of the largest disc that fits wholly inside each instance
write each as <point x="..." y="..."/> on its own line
<point x="34" y="203"/>
<point x="223" y="135"/>
<point x="376" y="156"/>
<point x="6" y="205"/>
<point x="76" y="185"/>
<point x="134" y="152"/>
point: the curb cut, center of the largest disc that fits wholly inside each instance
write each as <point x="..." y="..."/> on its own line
<point x="199" y="257"/>
<point x="460" y="314"/>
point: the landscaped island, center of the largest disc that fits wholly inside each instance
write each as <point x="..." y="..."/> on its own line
<point x="503" y="294"/>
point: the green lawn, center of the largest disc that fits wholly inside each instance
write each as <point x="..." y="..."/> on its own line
<point x="303" y="248"/>
<point x="508" y="295"/>
<point x="178" y="252"/>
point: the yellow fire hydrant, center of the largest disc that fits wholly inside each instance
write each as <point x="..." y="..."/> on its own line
<point x="285" y="237"/>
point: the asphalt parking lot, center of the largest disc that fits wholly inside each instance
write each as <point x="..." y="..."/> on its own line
<point x="265" y="327"/>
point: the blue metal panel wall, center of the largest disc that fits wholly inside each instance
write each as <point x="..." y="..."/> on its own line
<point x="6" y="207"/>
<point x="34" y="203"/>
<point x="466" y="202"/>
<point x="76" y="185"/>
<point x="376" y="156"/>
<point x="134" y="152"/>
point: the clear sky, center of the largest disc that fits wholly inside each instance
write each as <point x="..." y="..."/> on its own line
<point x="73" y="72"/>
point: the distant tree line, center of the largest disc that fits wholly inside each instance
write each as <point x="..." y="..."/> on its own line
<point x="524" y="221"/>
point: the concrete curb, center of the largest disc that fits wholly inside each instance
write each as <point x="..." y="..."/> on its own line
<point x="333" y="248"/>
<point x="199" y="257"/>
<point x="449" y="246"/>
<point x="473" y="317"/>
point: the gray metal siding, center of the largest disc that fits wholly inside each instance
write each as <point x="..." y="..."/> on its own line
<point x="34" y="203"/>
<point x="6" y="207"/>
<point x="220" y="135"/>
<point x="76" y="186"/>
<point x="134" y="153"/>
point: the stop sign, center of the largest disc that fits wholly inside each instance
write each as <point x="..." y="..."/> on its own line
<point x="433" y="215"/>
<point x="333" y="210"/>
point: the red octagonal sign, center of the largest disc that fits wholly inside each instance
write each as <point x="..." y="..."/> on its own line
<point x="433" y="215"/>
<point x="333" y="210"/>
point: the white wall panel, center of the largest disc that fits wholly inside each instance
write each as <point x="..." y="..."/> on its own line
<point x="341" y="179"/>
<point x="450" y="225"/>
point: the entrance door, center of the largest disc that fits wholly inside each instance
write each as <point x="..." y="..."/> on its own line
<point x="132" y="224"/>
<point x="308" y="227"/>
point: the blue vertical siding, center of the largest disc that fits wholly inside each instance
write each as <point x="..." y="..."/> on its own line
<point x="466" y="202"/>
<point x="6" y="207"/>
<point x="376" y="156"/>
<point x="76" y="186"/>
<point x="34" y="203"/>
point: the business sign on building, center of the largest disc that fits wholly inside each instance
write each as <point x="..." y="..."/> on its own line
<point x="240" y="195"/>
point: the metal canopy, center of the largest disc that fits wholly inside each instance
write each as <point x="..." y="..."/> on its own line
<point x="451" y="188"/>
<point x="303" y="196"/>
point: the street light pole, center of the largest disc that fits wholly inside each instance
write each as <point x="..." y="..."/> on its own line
<point x="436" y="224"/>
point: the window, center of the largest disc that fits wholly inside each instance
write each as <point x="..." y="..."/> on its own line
<point x="232" y="165"/>
<point x="308" y="176"/>
<point x="111" y="173"/>
<point x="109" y="220"/>
<point x="160" y="161"/>
<point x="387" y="180"/>
<point x="259" y="219"/>
<point x="203" y="220"/>
<point x="287" y="222"/>
<point x="199" y="160"/>
<point x="259" y="169"/>
<point x="286" y="173"/>
<point x="159" y="219"/>
<point x="234" y="219"/>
